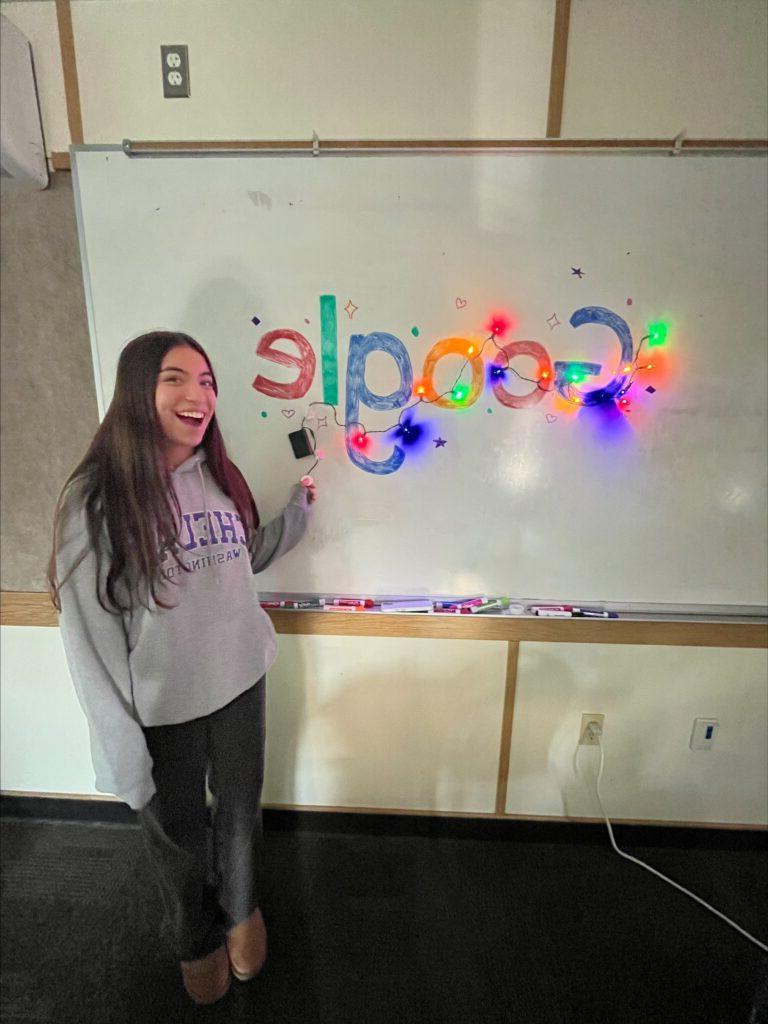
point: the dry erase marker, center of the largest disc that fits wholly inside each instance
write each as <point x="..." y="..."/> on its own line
<point x="307" y="481"/>
<point x="461" y="604"/>
<point x="489" y="606"/>
<point x="314" y="603"/>
<point x="455" y="602"/>
<point x="553" y="613"/>
<point x="354" y="602"/>
<point x="589" y="613"/>
<point x="344" y="608"/>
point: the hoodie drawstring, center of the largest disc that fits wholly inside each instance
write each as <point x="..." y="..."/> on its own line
<point x="207" y="520"/>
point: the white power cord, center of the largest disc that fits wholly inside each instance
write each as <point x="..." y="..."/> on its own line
<point x="594" y="730"/>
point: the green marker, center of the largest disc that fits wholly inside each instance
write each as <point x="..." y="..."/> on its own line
<point x="498" y="604"/>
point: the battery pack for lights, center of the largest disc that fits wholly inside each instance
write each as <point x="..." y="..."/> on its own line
<point x="301" y="443"/>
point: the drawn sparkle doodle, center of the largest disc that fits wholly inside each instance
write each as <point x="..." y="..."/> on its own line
<point x="553" y="321"/>
<point x="351" y="309"/>
<point x="577" y="271"/>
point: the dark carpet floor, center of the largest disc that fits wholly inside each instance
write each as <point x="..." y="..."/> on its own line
<point x="394" y="929"/>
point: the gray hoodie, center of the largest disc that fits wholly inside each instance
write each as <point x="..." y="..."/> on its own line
<point x="164" y="666"/>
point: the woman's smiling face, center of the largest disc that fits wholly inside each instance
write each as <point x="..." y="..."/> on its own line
<point x="185" y="401"/>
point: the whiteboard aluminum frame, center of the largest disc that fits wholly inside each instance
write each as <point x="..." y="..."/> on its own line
<point x="87" y="276"/>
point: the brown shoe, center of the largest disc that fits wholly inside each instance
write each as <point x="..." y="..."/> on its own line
<point x="207" y="980"/>
<point x="247" y="946"/>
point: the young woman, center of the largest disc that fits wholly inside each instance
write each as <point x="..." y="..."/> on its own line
<point x="156" y="540"/>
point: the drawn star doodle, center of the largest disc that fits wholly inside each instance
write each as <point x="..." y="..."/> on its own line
<point x="577" y="271"/>
<point x="439" y="442"/>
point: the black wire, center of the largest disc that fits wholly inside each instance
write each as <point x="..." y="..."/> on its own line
<point x="431" y="401"/>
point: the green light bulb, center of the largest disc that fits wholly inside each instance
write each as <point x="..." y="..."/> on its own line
<point x="459" y="393"/>
<point x="657" y="333"/>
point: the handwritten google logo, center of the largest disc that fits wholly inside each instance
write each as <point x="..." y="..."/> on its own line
<point x="564" y="377"/>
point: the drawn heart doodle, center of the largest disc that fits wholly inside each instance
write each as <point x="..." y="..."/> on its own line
<point x="288" y="413"/>
<point x="460" y="303"/>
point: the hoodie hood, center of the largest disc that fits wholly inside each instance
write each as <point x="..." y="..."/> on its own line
<point x="188" y="466"/>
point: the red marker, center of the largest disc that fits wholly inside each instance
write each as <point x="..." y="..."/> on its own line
<point x="354" y="602"/>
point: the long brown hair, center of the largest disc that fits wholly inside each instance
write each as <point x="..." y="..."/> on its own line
<point x="125" y="486"/>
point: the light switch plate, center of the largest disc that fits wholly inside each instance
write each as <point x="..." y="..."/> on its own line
<point x="703" y="734"/>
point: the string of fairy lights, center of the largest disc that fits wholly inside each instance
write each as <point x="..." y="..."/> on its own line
<point x="409" y="432"/>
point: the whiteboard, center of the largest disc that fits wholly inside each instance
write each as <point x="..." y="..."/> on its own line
<point x="663" y="501"/>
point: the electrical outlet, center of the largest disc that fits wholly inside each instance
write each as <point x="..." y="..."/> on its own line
<point x="585" y="739"/>
<point x="175" y="62"/>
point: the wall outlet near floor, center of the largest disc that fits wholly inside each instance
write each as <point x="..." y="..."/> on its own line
<point x="175" y="61"/>
<point x="586" y="739"/>
<point x="703" y="734"/>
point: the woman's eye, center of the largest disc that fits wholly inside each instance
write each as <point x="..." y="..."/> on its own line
<point x="207" y="383"/>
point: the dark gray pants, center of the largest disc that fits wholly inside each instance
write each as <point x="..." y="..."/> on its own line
<point x="209" y="878"/>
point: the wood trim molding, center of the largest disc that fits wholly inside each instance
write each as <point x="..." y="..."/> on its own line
<point x="61" y="162"/>
<point x="513" y="653"/>
<point x="69" y="67"/>
<point x="528" y="628"/>
<point x="557" y="68"/>
<point x="35" y="609"/>
<point x="26" y="609"/>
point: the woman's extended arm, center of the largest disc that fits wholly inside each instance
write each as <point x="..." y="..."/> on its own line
<point x="282" y="533"/>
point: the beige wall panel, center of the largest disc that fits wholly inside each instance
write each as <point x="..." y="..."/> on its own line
<point x="350" y="721"/>
<point x="650" y="68"/>
<point x="412" y="724"/>
<point x="45" y="746"/>
<point x="415" y="724"/>
<point x="48" y="400"/>
<point x="650" y="697"/>
<point x="38" y="23"/>
<point x="346" y="69"/>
